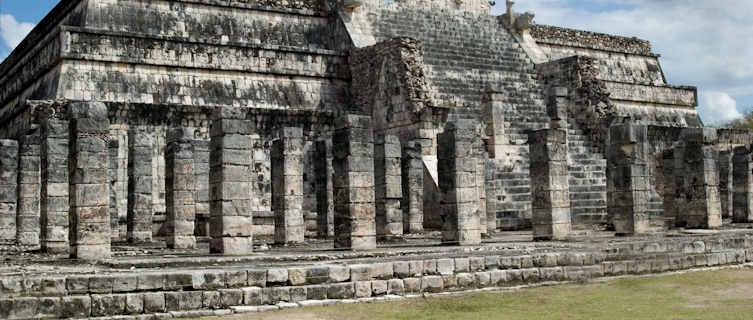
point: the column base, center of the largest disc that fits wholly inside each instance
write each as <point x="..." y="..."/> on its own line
<point x="232" y="246"/>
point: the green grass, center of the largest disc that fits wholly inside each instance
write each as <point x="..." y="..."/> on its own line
<point x="725" y="294"/>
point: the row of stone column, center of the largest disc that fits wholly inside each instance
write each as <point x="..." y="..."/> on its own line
<point x="691" y="186"/>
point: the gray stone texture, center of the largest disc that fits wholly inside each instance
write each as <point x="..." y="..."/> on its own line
<point x="388" y="187"/>
<point x="668" y="167"/>
<point x="55" y="196"/>
<point x="325" y="206"/>
<point x="181" y="188"/>
<point x="457" y="183"/>
<point x="8" y="190"/>
<point x="353" y="183"/>
<point x="140" y="208"/>
<point x="726" y="180"/>
<point x="231" y="226"/>
<point x="742" y="168"/>
<point x="628" y="178"/>
<point x="549" y="184"/>
<point x="412" y="177"/>
<point x="697" y="179"/>
<point x="287" y="186"/>
<point x="29" y="174"/>
<point x="89" y="184"/>
<point x="201" y="174"/>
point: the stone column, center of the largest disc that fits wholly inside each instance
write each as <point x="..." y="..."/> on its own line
<point x="140" y="164"/>
<point x="201" y="174"/>
<point x="726" y="188"/>
<point x="89" y="184"/>
<point x="412" y="177"/>
<point x="112" y="173"/>
<point x="628" y="178"/>
<point x="481" y="191"/>
<point x="8" y="190"/>
<point x="494" y="116"/>
<point x="55" y="202"/>
<point x="181" y="189"/>
<point x="668" y="165"/>
<point x="231" y="225"/>
<point x="29" y="192"/>
<point x="742" y="168"/>
<point x="457" y="184"/>
<point x="287" y="186"/>
<point x="388" y="187"/>
<point x="325" y="206"/>
<point x="697" y="181"/>
<point x="551" y="218"/>
<point x="353" y="164"/>
<point x="490" y="187"/>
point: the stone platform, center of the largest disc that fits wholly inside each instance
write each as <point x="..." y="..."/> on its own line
<point x="150" y="281"/>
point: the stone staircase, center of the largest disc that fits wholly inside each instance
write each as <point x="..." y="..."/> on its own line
<point x="588" y="181"/>
<point x="464" y="56"/>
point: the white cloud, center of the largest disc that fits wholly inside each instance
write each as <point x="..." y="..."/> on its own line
<point x="13" y="32"/>
<point x="717" y="107"/>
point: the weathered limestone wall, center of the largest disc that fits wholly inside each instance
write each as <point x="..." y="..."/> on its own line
<point x="8" y="190"/>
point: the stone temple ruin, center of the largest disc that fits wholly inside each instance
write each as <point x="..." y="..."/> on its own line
<point x="198" y="157"/>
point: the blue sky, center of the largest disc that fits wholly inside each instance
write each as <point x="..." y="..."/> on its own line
<point x="708" y="44"/>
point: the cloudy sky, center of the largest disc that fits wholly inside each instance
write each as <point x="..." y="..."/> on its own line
<point x="705" y="43"/>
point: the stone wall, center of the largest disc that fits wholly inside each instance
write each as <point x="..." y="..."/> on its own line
<point x="590" y="40"/>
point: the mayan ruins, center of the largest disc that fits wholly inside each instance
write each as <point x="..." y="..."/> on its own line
<point x="184" y="158"/>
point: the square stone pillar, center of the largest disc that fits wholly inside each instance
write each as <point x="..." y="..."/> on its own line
<point x="353" y="164"/>
<point x="230" y="157"/>
<point x="480" y="176"/>
<point x="29" y="192"/>
<point x="181" y="189"/>
<point x="412" y="177"/>
<point x="113" y="149"/>
<point x="494" y="116"/>
<point x="55" y="202"/>
<point x="201" y="174"/>
<point x="668" y="166"/>
<point x="742" y="168"/>
<point x="457" y="184"/>
<point x="697" y="179"/>
<point x="726" y="188"/>
<point x="325" y="205"/>
<point x="89" y="183"/>
<point x="8" y="190"/>
<point x="551" y="218"/>
<point x="140" y="163"/>
<point x="388" y="187"/>
<point x="628" y="178"/>
<point x="490" y="187"/>
<point x="287" y="186"/>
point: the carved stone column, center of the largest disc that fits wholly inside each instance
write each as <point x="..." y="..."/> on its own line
<point x="140" y="163"/>
<point x="181" y="188"/>
<point x="287" y="186"/>
<point x="89" y="184"/>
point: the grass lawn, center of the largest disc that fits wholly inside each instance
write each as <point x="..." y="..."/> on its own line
<point x="724" y="294"/>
